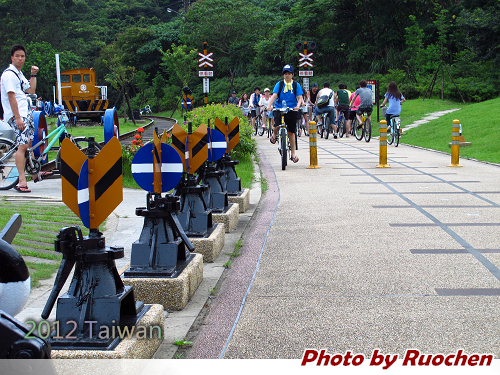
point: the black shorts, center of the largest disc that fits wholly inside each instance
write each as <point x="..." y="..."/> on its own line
<point x="352" y="114"/>
<point x="344" y="109"/>
<point x="254" y="112"/>
<point x="368" y="111"/>
<point x="290" y="120"/>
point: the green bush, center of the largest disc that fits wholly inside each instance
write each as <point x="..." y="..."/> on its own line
<point x="202" y="115"/>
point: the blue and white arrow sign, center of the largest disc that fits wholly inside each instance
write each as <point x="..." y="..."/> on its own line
<point x="170" y="168"/>
<point x="217" y="146"/>
<point x="83" y="194"/>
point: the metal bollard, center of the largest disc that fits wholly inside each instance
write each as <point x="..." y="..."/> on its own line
<point x="313" y="146"/>
<point x="455" y="144"/>
<point x="383" y="146"/>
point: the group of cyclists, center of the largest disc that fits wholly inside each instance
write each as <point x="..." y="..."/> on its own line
<point x="288" y="93"/>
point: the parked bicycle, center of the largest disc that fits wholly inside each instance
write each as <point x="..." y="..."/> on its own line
<point x="8" y="172"/>
<point x="146" y="110"/>
<point x="364" y="129"/>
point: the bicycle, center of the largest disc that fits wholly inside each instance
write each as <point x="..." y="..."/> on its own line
<point x="393" y="130"/>
<point x="269" y="127"/>
<point x="283" y="140"/>
<point x="301" y="126"/>
<point x="326" y="127"/>
<point x="364" y="129"/>
<point x="259" y="125"/>
<point x="146" y="110"/>
<point x="341" y="124"/>
<point x="8" y="172"/>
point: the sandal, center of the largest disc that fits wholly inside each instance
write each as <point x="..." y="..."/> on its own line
<point x="42" y="175"/>
<point x="272" y="140"/>
<point x="295" y="159"/>
<point x="22" y="189"/>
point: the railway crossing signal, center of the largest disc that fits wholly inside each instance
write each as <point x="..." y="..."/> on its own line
<point x="306" y="59"/>
<point x="92" y="188"/>
<point x="206" y="59"/>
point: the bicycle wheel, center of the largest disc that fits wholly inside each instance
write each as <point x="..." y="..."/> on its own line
<point x="9" y="176"/>
<point x="327" y="125"/>
<point x="269" y="127"/>
<point x="258" y="124"/>
<point x="368" y="130"/>
<point x="319" y="130"/>
<point x="390" y="134"/>
<point x="341" y="128"/>
<point x="396" y="134"/>
<point x="255" y="127"/>
<point x="358" y="129"/>
<point x="284" y="149"/>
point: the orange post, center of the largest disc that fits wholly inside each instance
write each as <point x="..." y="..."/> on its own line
<point x="383" y="146"/>
<point x="455" y="144"/>
<point x="313" y="146"/>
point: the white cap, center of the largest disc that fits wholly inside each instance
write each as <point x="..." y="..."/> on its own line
<point x="267" y="89"/>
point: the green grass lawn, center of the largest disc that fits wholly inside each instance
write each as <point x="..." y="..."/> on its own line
<point x="477" y="127"/>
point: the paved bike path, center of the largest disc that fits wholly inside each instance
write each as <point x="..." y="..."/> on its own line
<point x="358" y="258"/>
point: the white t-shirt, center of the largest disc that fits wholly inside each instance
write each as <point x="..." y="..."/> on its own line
<point x="10" y="83"/>
<point x="327" y="91"/>
<point x="264" y="102"/>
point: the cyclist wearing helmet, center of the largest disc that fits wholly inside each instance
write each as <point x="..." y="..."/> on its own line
<point x="286" y="91"/>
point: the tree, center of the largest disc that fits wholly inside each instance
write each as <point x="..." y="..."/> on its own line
<point x="158" y="89"/>
<point x="230" y="27"/>
<point x="120" y="75"/>
<point x="181" y="63"/>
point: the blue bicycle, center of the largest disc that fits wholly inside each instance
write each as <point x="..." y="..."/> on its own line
<point x="341" y="127"/>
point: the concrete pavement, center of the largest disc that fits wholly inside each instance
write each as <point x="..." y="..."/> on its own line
<point x="353" y="257"/>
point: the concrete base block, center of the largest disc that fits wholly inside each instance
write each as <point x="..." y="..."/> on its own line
<point x="229" y="218"/>
<point x="243" y="200"/>
<point x="131" y="348"/>
<point x="174" y="293"/>
<point x="210" y="247"/>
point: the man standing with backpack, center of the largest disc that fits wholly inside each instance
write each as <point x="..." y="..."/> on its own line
<point x="14" y="87"/>
<point x="285" y="94"/>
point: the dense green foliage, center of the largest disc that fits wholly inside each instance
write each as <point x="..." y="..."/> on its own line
<point x="142" y="48"/>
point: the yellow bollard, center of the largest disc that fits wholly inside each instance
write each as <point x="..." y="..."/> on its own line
<point x="455" y="144"/>
<point x="313" y="146"/>
<point x="383" y="146"/>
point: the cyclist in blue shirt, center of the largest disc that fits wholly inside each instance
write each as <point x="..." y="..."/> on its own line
<point x="286" y="91"/>
<point x="395" y="98"/>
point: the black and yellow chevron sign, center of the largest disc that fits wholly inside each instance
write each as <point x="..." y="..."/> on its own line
<point x="231" y="131"/>
<point x="179" y="142"/>
<point x="192" y="148"/>
<point x="92" y="188"/>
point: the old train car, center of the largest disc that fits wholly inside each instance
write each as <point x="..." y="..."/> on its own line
<point x="81" y="96"/>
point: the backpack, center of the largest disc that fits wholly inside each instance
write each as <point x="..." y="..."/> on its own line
<point x="282" y="83"/>
<point x="1" y="106"/>
<point x="323" y="100"/>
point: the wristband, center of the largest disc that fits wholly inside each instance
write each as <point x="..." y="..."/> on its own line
<point x="33" y="76"/>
